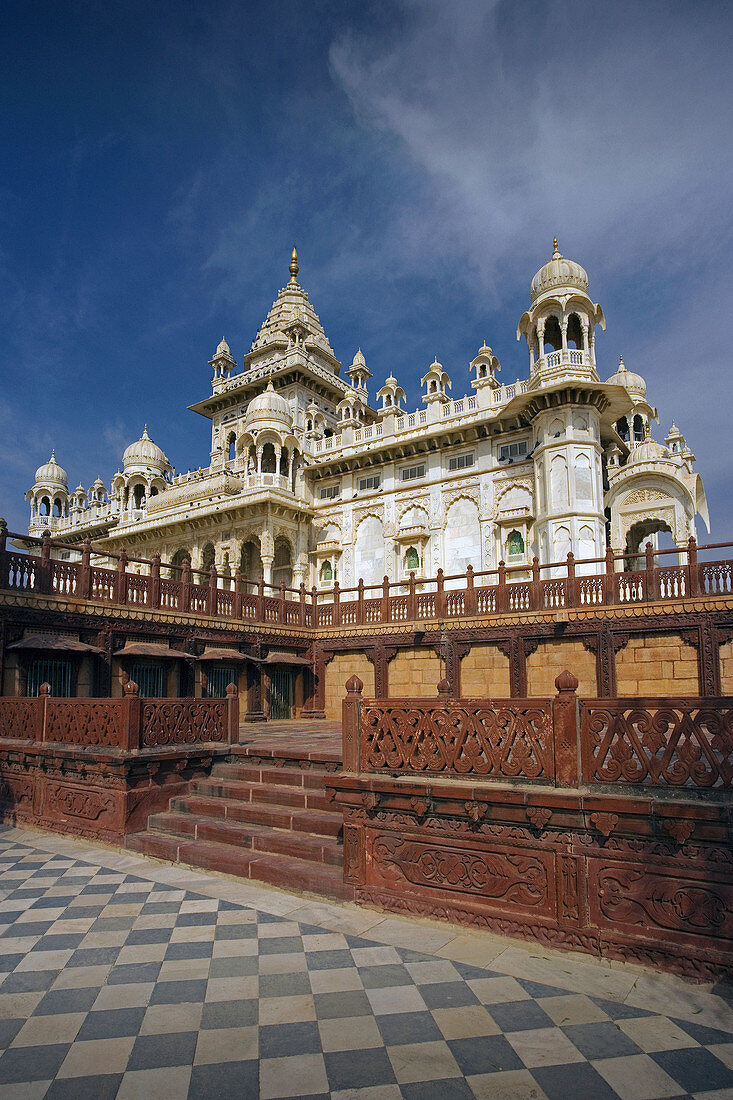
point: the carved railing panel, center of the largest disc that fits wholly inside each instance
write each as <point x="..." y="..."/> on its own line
<point x="658" y="742"/>
<point x="183" y="721"/>
<point x="20" y="572"/>
<point x="468" y="737"/>
<point x="64" y="578"/>
<point x="455" y="603"/>
<point x="198" y="598"/>
<point x="103" y="584"/>
<point x="589" y="591"/>
<point x="716" y="578"/>
<point x="398" y="609"/>
<point x="94" y="722"/>
<point x="372" y="611"/>
<point x="486" y="600"/>
<point x="630" y="587"/>
<point x="672" y="583"/>
<point x="21" y="719"/>
<point x="138" y="590"/>
<point x="519" y="597"/>
<point x="170" y="594"/>
<point x="554" y="593"/>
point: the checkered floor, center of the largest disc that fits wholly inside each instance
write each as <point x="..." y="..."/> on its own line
<point x="115" y="985"/>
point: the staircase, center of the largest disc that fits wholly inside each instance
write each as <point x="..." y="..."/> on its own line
<point x="263" y="815"/>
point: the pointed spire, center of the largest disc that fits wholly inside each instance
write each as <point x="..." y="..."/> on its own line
<point x="145" y="432"/>
<point x="53" y="454"/>
<point x="294" y="269"/>
<point x="621" y="364"/>
<point x="556" y="253"/>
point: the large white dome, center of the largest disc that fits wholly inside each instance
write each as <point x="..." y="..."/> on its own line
<point x="145" y="453"/>
<point x="269" y="406"/>
<point x="559" y="272"/>
<point x="52" y="474"/>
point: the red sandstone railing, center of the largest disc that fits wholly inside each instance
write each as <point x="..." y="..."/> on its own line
<point x="127" y="724"/>
<point x="584" y="583"/>
<point x="564" y="741"/>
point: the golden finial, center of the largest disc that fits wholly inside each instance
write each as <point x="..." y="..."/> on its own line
<point x="621" y="364"/>
<point x="554" y="244"/>
<point x="294" y="269"/>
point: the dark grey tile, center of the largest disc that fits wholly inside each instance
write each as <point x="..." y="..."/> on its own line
<point x="288" y="1040"/>
<point x="238" y="932"/>
<point x="469" y="972"/>
<point x="705" y="1035"/>
<point x="174" y="993"/>
<point x="619" y="1011"/>
<point x="329" y="960"/>
<point x="29" y="928"/>
<point x="29" y="981"/>
<point x="536" y="989"/>
<point x="154" y="1051"/>
<point x="280" y="945"/>
<point x="128" y="899"/>
<point x="8" y="1030"/>
<point x="134" y="972"/>
<point x="695" y="1069"/>
<point x="192" y="950"/>
<point x="111" y="1023"/>
<point x="102" y="1087"/>
<point x="448" y="995"/>
<point x="408" y="1027"/>
<point x="8" y="963"/>
<point x="139" y="936"/>
<point x="228" y="1081"/>
<point x="84" y="912"/>
<point x="382" y="977"/>
<point x="159" y="907"/>
<point x="335" y="1006"/>
<point x="487" y="1054"/>
<point x="578" y="1080"/>
<point x="237" y="966"/>
<point x="600" y="1040"/>
<point x="451" y="1088"/>
<point x="32" y="1063"/>
<point x="230" y="1014"/>
<point x="66" y="1000"/>
<point x="57" y="901"/>
<point x="409" y="956"/>
<point x="52" y="942"/>
<point x="284" y="985"/>
<point x="352" y="1069"/>
<point x="112" y="924"/>
<point x="94" y="956"/>
<point x="195" y="920"/>
<point x="519" y="1016"/>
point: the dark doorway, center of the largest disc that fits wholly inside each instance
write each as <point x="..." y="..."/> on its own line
<point x="281" y="693"/>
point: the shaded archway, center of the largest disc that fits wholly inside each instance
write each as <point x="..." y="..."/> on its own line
<point x="282" y="567"/>
<point x="250" y="564"/>
<point x="638" y="535"/>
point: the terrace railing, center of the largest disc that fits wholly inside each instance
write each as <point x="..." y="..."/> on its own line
<point x="150" y="584"/>
<point x="128" y="724"/>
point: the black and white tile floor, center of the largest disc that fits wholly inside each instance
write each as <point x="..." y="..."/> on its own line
<point x="122" y="977"/>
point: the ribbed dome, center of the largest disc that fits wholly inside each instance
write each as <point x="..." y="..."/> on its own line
<point x="559" y="272"/>
<point x="52" y="474"/>
<point x="634" y="384"/>
<point x="145" y="453"/>
<point x="648" y="451"/>
<point x="269" y="406"/>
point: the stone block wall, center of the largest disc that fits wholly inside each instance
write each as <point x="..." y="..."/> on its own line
<point x="726" y="669"/>
<point x="485" y="671"/>
<point x="415" y="672"/>
<point x="549" y="660"/>
<point x="338" y="671"/>
<point x="659" y="664"/>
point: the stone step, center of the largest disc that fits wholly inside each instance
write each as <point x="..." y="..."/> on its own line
<point x="257" y="837"/>
<point x="320" y="822"/>
<point x="262" y="773"/>
<point x="284" y="871"/>
<point x="273" y="794"/>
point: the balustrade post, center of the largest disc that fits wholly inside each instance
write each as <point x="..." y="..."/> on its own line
<point x="470" y="604"/>
<point x="565" y="728"/>
<point x="693" y="571"/>
<point x="302" y="603"/>
<point x="385" y="599"/>
<point x="608" y="578"/>
<point x="336" y="604"/>
<point x="155" y="580"/>
<point x="261" y="598"/>
<point x="3" y="564"/>
<point x="439" y="595"/>
<point x="572" y="588"/>
<point x="212" y="593"/>
<point x="184" y="602"/>
<point x="412" y="599"/>
<point x="283" y="615"/>
<point x="502" y="595"/>
<point x="237" y="595"/>
<point x="350" y="725"/>
<point x="43" y="693"/>
<point x="536" y="590"/>
<point x="232" y="714"/>
<point x="121" y="578"/>
<point x="360" y="603"/>
<point x="314" y="606"/>
<point x="131" y="718"/>
<point x="44" y="578"/>
<point x="85" y="572"/>
<point x="650" y="581"/>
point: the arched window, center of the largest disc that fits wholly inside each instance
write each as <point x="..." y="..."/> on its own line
<point x="553" y="334"/>
<point x="433" y="387"/>
<point x="638" y="429"/>
<point x="412" y="559"/>
<point x="575" y="332"/>
<point x="622" y="427"/>
<point x="138" y="495"/>
<point x="45" y="506"/>
<point x="268" y="459"/>
<point x="232" y="445"/>
<point x="309" y="425"/>
<point x="326" y="572"/>
<point x="514" y="544"/>
<point x="57" y="507"/>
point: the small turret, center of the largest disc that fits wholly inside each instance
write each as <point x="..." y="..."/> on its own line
<point x="435" y="381"/>
<point x="391" y="396"/>
<point x="222" y="363"/>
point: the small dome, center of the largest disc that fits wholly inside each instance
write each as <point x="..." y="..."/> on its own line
<point x="648" y="451"/>
<point x="269" y="406"/>
<point x="145" y="453"/>
<point x="558" y="272"/>
<point x="52" y="474"/>
<point x="634" y="384"/>
<point x="222" y="349"/>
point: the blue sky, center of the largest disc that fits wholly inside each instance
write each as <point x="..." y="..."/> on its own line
<point x="160" y="160"/>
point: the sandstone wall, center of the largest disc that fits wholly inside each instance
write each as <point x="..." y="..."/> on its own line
<point x="485" y="672"/>
<point x="415" y="672"/>
<point x="338" y="671"/>
<point x="661" y="664"/>
<point x="550" y="658"/>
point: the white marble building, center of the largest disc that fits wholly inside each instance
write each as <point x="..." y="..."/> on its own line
<point x="309" y="483"/>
